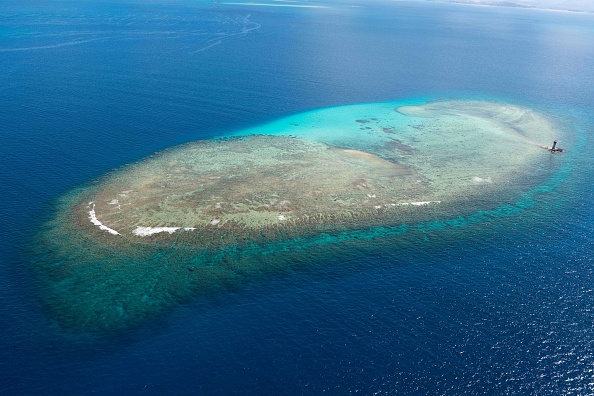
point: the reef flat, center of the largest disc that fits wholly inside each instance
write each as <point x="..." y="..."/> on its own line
<point x="202" y="216"/>
<point x="242" y="185"/>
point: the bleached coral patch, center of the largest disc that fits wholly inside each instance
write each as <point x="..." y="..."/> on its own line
<point x="147" y="231"/>
<point x="477" y="179"/>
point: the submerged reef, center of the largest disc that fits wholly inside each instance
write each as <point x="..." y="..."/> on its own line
<point x="207" y="215"/>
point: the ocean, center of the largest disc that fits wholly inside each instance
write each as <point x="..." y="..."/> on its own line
<point x="500" y="305"/>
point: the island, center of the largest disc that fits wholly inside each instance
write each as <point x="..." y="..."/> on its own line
<point x="552" y="5"/>
<point x="212" y="214"/>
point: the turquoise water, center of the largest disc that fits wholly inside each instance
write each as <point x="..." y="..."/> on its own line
<point x="496" y="301"/>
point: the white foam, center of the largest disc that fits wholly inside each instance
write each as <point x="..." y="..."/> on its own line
<point x="282" y="217"/>
<point x="94" y="220"/>
<point x="147" y="231"/>
<point x="247" y="28"/>
<point x="190" y="228"/>
<point x="75" y="42"/>
<point x="114" y="202"/>
<point x="422" y="203"/>
<point x="215" y="221"/>
<point x="212" y="44"/>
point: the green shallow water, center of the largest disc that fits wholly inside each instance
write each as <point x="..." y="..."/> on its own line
<point x="479" y="164"/>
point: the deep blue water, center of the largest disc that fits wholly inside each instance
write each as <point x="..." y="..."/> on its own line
<point x="500" y="308"/>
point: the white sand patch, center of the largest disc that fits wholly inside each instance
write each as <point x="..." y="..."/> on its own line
<point x="146" y="231"/>
<point x="477" y="179"/>
<point x="94" y="220"/>
<point x="218" y="205"/>
<point x="215" y="221"/>
<point x="371" y="196"/>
